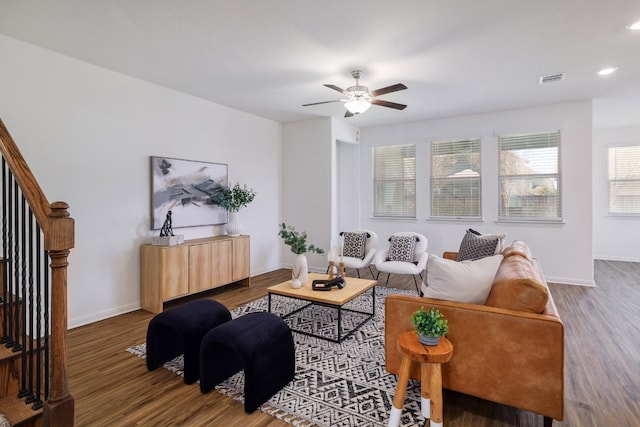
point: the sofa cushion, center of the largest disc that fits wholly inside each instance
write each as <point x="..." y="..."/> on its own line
<point x="463" y="281"/>
<point x="475" y="245"/>
<point x="402" y="248"/>
<point x="354" y="244"/>
<point x="518" y="286"/>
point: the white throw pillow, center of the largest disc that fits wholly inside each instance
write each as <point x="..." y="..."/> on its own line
<point x="464" y="281"/>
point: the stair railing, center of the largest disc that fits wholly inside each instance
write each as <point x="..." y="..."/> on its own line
<point x="35" y="232"/>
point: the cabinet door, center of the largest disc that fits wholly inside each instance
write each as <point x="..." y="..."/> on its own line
<point x="221" y="262"/>
<point x="241" y="258"/>
<point x="175" y="281"/>
<point x="200" y="267"/>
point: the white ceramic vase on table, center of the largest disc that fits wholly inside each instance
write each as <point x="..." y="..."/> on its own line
<point x="300" y="269"/>
<point x="233" y="225"/>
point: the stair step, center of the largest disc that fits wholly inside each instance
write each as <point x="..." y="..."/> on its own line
<point x="18" y="413"/>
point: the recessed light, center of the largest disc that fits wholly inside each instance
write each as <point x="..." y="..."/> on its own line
<point x="607" y="71"/>
<point x="634" y="26"/>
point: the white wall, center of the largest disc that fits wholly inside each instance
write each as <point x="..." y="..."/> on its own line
<point x="307" y="183"/>
<point x="87" y="134"/>
<point x="615" y="237"/>
<point x="565" y="251"/>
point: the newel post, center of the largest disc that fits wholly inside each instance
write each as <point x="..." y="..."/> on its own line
<point x="58" y="410"/>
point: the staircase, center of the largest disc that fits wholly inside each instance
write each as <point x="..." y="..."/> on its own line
<point x="36" y="240"/>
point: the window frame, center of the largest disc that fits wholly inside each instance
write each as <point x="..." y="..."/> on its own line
<point x="609" y="179"/>
<point x="475" y="144"/>
<point x="557" y="175"/>
<point x="403" y="212"/>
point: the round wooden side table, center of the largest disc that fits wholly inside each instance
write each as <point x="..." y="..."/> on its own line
<point x="430" y="358"/>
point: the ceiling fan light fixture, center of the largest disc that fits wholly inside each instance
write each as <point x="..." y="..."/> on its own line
<point x="607" y="71"/>
<point x="357" y="106"/>
<point x="635" y="26"/>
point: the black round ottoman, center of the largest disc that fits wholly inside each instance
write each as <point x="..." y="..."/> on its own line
<point x="259" y="343"/>
<point x="180" y="330"/>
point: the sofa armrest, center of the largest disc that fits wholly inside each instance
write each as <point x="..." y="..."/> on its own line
<point x="450" y="255"/>
<point x="505" y="356"/>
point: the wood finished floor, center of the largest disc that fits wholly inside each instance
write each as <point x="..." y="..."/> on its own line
<point x="602" y="333"/>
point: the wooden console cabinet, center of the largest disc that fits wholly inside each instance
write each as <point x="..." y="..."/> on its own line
<point x="169" y="272"/>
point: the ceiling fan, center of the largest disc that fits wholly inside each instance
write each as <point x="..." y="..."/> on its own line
<point x="359" y="99"/>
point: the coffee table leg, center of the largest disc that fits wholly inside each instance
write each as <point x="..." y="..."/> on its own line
<point x="339" y="322"/>
<point x="425" y="382"/>
<point x="373" y="298"/>
<point x="401" y="389"/>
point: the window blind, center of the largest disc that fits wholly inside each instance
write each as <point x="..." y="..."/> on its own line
<point x="456" y="189"/>
<point x="624" y="179"/>
<point x="530" y="176"/>
<point x="394" y="181"/>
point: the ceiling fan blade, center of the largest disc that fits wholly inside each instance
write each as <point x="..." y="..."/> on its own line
<point x="334" y="87"/>
<point x="348" y="114"/>
<point x="393" y="88"/>
<point x="318" y="103"/>
<point x="389" y="104"/>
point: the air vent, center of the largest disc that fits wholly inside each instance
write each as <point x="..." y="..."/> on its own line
<point x="550" y="78"/>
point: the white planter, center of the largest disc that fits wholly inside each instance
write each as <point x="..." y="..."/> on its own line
<point x="300" y="269"/>
<point x="233" y="226"/>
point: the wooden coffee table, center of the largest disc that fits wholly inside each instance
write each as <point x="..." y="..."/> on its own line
<point x="336" y="298"/>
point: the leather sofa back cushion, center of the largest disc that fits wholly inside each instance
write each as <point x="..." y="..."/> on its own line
<point x="518" y="286"/>
<point x="518" y="247"/>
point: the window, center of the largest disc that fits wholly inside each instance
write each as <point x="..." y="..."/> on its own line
<point x="394" y="181"/>
<point x="530" y="177"/>
<point x="455" y="179"/>
<point x="624" y="179"/>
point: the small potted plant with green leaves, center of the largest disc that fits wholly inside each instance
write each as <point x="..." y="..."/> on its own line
<point x="297" y="241"/>
<point x="232" y="200"/>
<point x="430" y="325"/>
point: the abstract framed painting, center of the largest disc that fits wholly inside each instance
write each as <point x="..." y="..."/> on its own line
<point x="185" y="187"/>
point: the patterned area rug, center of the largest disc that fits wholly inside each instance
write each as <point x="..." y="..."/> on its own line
<point x="335" y="384"/>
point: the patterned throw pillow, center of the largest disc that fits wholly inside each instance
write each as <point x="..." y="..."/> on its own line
<point x="402" y="248"/>
<point x="474" y="247"/>
<point x="354" y="244"/>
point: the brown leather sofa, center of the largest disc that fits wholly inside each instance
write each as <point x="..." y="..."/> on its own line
<point x="509" y="351"/>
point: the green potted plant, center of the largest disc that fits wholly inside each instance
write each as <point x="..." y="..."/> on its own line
<point x="233" y="199"/>
<point x="297" y="241"/>
<point x="430" y="325"/>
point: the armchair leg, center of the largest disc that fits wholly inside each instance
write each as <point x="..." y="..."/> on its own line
<point x="388" y="275"/>
<point x="358" y="271"/>
<point x="372" y="275"/>
<point x="416" y="283"/>
<point x="548" y="421"/>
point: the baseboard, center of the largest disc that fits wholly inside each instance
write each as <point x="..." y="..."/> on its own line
<point x="616" y="258"/>
<point x="570" y="281"/>
<point x="124" y="309"/>
<point x="96" y="317"/>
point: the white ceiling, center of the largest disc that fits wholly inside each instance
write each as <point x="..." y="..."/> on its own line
<point x="269" y="57"/>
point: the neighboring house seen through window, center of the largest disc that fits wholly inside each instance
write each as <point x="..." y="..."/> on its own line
<point x="624" y="180"/>
<point x="394" y="181"/>
<point x="456" y="190"/>
<point x="530" y="187"/>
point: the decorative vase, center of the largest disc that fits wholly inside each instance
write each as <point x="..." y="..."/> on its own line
<point x="427" y="340"/>
<point x="233" y="226"/>
<point x="300" y="269"/>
